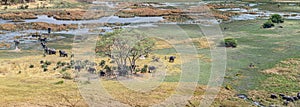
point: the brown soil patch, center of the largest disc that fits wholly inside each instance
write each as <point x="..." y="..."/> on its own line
<point x="147" y="11"/>
<point x="37" y="26"/>
<point x="8" y="27"/>
<point x="75" y="14"/>
<point x="17" y="15"/>
<point x="3" y="44"/>
<point x="59" y="15"/>
<point x="210" y="11"/>
<point x="219" y="6"/>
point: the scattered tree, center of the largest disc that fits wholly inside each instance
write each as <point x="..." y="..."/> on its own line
<point x="124" y="47"/>
<point x="276" y="18"/>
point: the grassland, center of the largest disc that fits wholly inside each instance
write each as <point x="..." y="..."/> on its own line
<point x="281" y="8"/>
<point x="266" y="48"/>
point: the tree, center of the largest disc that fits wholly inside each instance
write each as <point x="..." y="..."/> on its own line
<point x="142" y="47"/>
<point x="276" y="18"/>
<point x="124" y="47"/>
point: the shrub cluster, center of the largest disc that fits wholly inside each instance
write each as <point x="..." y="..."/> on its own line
<point x="230" y="42"/>
<point x="275" y="18"/>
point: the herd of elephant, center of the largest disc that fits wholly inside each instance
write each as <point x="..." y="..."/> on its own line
<point x="51" y="51"/>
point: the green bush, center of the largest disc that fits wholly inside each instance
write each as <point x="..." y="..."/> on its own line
<point x="69" y="66"/>
<point x="102" y="63"/>
<point x="66" y="75"/>
<point x="26" y="6"/>
<point x="21" y="7"/>
<point x="45" y="69"/>
<point x="228" y="87"/>
<point x="44" y="66"/>
<point x="64" y="69"/>
<point x="59" y="82"/>
<point x="107" y="68"/>
<point x="268" y="24"/>
<point x="58" y="63"/>
<point x="276" y="18"/>
<point x="31" y="66"/>
<point x="48" y="63"/>
<point x="72" y="62"/>
<point x="137" y="70"/>
<point x="144" y="69"/>
<point x="112" y="61"/>
<point x="230" y="42"/>
<point x="63" y="63"/>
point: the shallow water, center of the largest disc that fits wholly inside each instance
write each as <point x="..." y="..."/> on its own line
<point x="265" y="15"/>
<point x="253" y="4"/>
<point x="110" y="19"/>
<point x="4" y="21"/>
<point x="9" y="36"/>
<point x="233" y="9"/>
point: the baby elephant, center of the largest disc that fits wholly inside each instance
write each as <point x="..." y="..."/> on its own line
<point x="51" y="51"/>
<point x="172" y="58"/>
<point x="91" y="70"/>
<point x="273" y="96"/>
<point x="63" y="53"/>
<point x="151" y="68"/>
<point x="78" y="68"/>
<point x="43" y="40"/>
<point x="102" y="73"/>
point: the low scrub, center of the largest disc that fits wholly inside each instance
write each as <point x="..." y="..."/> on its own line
<point x="230" y="42"/>
<point x="268" y="24"/>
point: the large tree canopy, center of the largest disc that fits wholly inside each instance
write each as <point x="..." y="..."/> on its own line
<point x="276" y="18"/>
<point x="125" y="47"/>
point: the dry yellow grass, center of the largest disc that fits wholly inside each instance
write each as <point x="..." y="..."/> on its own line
<point x="33" y="87"/>
<point x="202" y="43"/>
<point x="36" y="88"/>
<point x="287" y="67"/>
<point x="134" y="98"/>
<point x="38" y="91"/>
